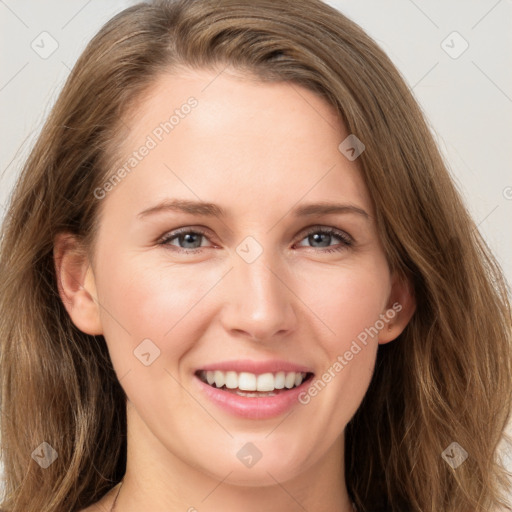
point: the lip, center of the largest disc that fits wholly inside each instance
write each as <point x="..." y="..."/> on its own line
<point x="254" y="408"/>
<point x="256" y="367"/>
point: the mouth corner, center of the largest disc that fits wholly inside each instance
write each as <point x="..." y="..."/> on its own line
<point x="309" y="376"/>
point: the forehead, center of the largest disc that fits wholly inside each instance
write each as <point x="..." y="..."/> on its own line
<point x="211" y="133"/>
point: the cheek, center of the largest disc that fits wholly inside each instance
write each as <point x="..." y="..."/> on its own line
<point x="345" y="300"/>
<point x="349" y="306"/>
<point x="155" y="301"/>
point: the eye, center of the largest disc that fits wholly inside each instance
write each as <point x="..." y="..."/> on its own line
<point x="323" y="235"/>
<point x="189" y="240"/>
<point x="187" y="236"/>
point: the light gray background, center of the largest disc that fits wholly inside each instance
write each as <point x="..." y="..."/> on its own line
<point x="467" y="98"/>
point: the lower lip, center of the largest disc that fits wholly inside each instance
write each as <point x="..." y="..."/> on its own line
<point x="254" y="408"/>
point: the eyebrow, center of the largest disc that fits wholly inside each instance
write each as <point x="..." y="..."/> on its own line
<point x="186" y="206"/>
<point x="214" y="210"/>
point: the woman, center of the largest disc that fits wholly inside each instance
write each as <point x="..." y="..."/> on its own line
<point x="253" y="370"/>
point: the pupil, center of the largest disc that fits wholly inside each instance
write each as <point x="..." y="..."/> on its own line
<point x="188" y="238"/>
<point x="316" y="237"/>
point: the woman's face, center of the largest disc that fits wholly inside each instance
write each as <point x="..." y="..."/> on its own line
<point x="270" y="280"/>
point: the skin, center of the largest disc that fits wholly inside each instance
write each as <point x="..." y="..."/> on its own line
<point x="259" y="151"/>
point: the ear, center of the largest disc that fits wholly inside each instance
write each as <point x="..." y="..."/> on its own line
<point x="76" y="284"/>
<point x="399" y="309"/>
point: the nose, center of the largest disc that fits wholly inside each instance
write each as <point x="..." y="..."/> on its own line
<point x="259" y="300"/>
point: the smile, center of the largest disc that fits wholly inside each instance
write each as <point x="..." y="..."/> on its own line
<point x="246" y="381"/>
<point x="252" y="396"/>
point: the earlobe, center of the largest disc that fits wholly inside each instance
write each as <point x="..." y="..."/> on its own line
<point x="76" y="283"/>
<point x="399" y="310"/>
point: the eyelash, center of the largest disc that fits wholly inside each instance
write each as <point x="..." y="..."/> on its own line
<point x="345" y="239"/>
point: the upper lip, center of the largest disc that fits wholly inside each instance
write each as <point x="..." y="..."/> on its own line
<point x="256" y="367"/>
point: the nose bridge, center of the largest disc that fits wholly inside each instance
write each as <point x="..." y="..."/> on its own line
<point x="259" y="301"/>
<point x="262" y="281"/>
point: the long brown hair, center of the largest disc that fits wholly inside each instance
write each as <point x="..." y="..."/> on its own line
<point x="447" y="378"/>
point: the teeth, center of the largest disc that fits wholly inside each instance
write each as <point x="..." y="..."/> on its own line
<point x="289" y="382"/>
<point x="218" y="379"/>
<point x="231" y="380"/>
<point x="265" y="382"/>
<point x="246" y="381"/>
<point x="279" y="380"/>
